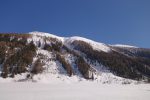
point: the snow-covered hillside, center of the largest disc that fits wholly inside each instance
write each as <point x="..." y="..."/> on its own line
<point x="44" y="57"/>
<point x="37" y="36"/>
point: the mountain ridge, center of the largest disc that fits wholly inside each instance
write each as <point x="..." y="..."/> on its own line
<point x="77" y="38"/>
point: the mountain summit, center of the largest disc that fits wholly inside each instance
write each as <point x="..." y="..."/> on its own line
<point x="43" y="56"/>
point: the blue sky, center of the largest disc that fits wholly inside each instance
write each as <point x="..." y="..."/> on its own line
<point x="108" y="21"/>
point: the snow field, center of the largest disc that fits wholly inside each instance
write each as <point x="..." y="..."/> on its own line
<point x="75" y="91"/>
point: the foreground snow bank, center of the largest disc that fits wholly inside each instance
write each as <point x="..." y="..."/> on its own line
<point x="75" y="91"/>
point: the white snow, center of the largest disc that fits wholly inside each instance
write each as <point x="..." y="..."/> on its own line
<point x="96" y="45"/>
<point x="36" y="33"/>
<point x="51" y="66"/>
<point x="124" y="46"/>
<point x="67" y="40"/>
<point x="71" y="60"/>
<point x="76" y="91"/>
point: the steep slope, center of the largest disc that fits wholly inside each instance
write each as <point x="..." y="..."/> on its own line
<point x="43" y="56"/>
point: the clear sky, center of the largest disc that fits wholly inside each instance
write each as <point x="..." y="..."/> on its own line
<point x="108" y="21"/>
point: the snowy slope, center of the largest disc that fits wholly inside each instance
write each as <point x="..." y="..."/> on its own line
<point x="53" y="69"/>
<point x="96" y="45"/>
<point x="68" y="40"/>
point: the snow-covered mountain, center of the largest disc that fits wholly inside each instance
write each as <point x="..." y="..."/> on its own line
<point x="39" y="56"/>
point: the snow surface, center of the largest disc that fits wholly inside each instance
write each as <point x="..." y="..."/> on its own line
<point x="124" y="46"/>
<point x="76" y="91"/>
